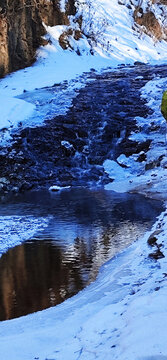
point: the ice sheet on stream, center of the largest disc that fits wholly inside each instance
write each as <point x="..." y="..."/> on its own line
<point x="16" y="229"/>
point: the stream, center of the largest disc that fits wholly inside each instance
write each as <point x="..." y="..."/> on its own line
<point x="84" y="225"/>
<point x="86" y="228"/>
<point x="66" y="150"/>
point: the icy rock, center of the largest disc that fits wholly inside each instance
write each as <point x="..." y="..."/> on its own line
<point x="3" y="152"/>
<point x="142" y="157"/>
<point x="139" y="77"/>
<point x="3" y="180"/>
<point x="121" y="2"/>
<point x="15" y="189"/>
<point x="164" y="163"/>
<point x="58" y="188"/>
<point x="152" y="164"/>
<point x="113" y="169"/>
<point x="68" y="148"/>
<point x="67" y="145"/>
<point x="152" y="240"/>
<point x="123" y="160"/>
<point x="12" y="154"/>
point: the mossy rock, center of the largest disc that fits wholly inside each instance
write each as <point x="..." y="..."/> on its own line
<point x="164" y="105"/>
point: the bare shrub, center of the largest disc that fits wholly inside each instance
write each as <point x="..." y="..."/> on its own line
<point x="92" y="25"/>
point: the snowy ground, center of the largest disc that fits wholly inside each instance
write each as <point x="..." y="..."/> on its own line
<point x="123" y="314"/>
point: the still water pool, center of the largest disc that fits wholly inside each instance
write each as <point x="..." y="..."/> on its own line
<point x="85" y="229"/>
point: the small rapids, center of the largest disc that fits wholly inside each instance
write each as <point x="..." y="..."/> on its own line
<point x="84" y="126"/>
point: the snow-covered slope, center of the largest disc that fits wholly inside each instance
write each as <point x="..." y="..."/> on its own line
<point x="114" y="27"/>
<point x="108" y="33"/>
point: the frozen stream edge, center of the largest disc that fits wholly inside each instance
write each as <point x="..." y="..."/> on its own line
<point x="114" y="317"/>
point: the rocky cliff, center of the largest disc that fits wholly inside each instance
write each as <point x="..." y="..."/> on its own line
<point x="21" y="28"/>
<point x="21" y="25"/>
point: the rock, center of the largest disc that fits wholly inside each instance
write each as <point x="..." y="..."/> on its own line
<point x="164" y="162"/>
<point x="148" y="22"/>
<point x="142" y="157"/>
<point x="25" y="186"/>
<point x="3" y="152"/>
<point x="1" y="187"/>
<point x="158" y="254"/>
<point x="153" y="236"/>
<point x="15" y="189"/>
<point x="3" y="180"/>
<point x="123" y="161"/>
<point x="152" y="164"/>
<point x="21" y="29"/>
<point x="66" y="144"/>
<point x="68" y="148"/>
<point x="164" y="105"/>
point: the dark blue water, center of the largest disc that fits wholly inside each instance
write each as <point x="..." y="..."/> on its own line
<point x="86" y="228"/>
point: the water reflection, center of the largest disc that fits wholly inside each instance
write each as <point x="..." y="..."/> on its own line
<point x="35" y="276"/>
<point x="86" y="229"/>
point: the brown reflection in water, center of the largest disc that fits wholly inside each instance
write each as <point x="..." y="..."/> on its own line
<point x="41" y="273"/>
<point x="37" y="275"/>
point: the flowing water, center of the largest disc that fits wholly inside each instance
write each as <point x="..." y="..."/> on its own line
<point x="65" y="237"/>
<point x="85" y="229"/>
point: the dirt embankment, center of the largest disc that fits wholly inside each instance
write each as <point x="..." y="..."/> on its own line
<point x="152" y="19"/>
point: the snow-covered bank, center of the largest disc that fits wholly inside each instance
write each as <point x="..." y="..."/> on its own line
<point x="16" y="229"/>
<point x="16" y="110"/>
<point x="13" y="112"/>
<point x="120" y="316"/>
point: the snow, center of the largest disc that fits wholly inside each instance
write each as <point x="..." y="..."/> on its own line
<point x="16" y="111"/>
<point x="58" y="188"/>
<point x="16" y="229"/>
<point x="122" y="315"/>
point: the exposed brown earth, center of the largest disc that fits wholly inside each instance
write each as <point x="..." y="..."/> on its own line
<point x="148" y="22"/>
